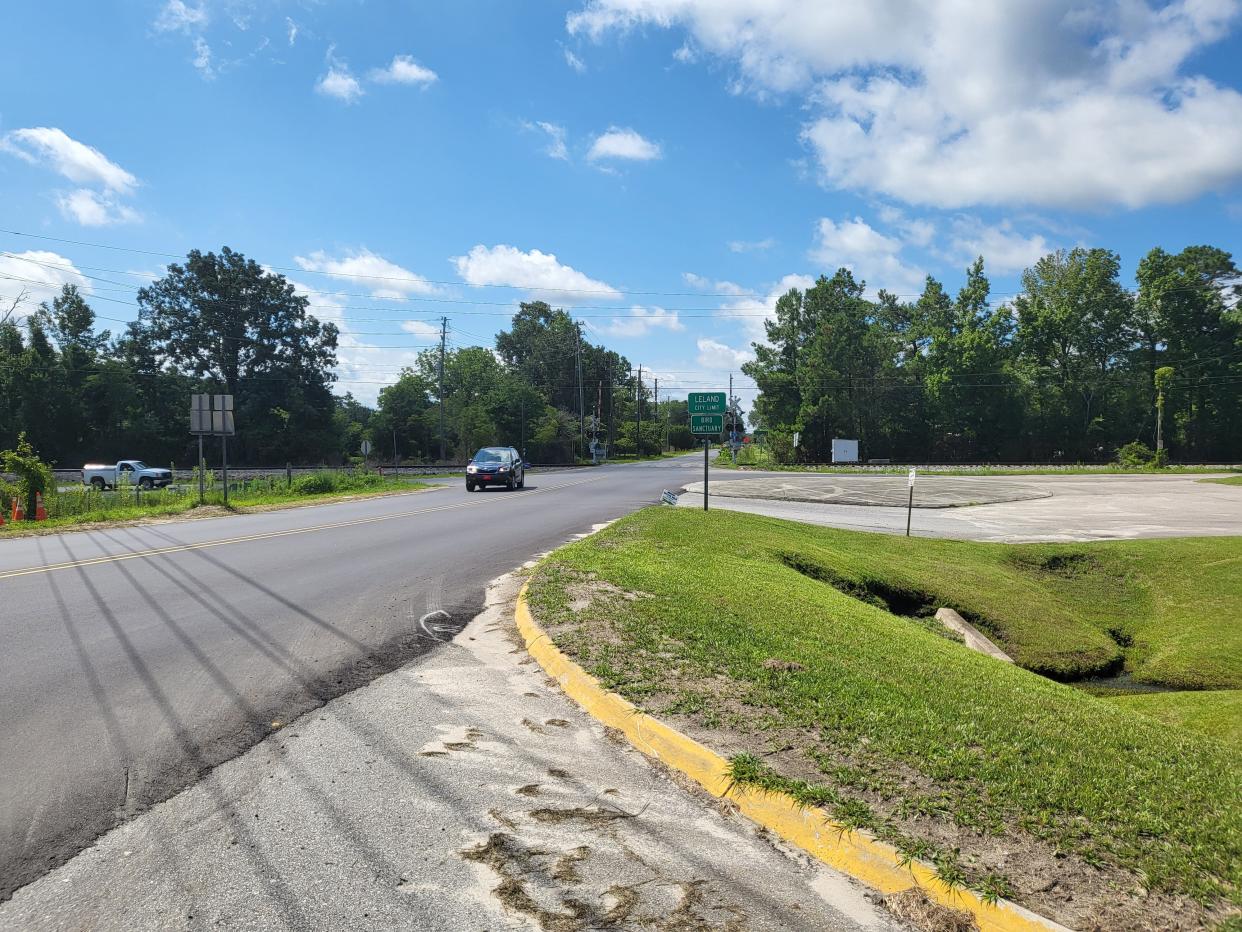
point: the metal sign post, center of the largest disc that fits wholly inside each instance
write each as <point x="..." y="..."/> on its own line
<point x="707" y="410"/>
<point x="910" y="503"/>
<point x="212" y="416"/>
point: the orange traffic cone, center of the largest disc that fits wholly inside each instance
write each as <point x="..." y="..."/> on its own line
<point x="19" y="513"/>
<point x="40" y="511"/>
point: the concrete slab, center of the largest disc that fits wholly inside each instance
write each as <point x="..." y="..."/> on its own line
<point x="930" y="492"/>
<point x="1072" y="508"/>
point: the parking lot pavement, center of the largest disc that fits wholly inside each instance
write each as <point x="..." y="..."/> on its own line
<point x="1011" y="509"/>
<point x="461" y="792"/>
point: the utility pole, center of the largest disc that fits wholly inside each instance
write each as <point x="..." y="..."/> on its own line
<point x="657" y="411"/>
<point x="732" y="419"/>
<point x="581" y="405"/>
<point x="612" y="400"/>
<point x="443" y="334"/>
<point x="638" y="415"/>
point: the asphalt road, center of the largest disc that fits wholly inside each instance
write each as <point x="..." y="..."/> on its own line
<point x="463" y="791"/>
<point x="136" y="659"/>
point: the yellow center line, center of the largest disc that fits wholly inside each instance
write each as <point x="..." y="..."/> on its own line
<point x="268" y="535"/>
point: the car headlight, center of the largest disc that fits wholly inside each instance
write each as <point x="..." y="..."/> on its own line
<point x="472" y="469"/>
<point x="503" y="469"/>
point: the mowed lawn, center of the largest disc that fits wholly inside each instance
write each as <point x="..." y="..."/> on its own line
<point x="727" y="618"/>
<point x="1217" y="713"/>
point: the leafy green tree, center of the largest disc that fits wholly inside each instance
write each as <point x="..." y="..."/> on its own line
<point x="1076" y="324"/>
<point x="224" y="319"/>
<point x="1190" y="298"/>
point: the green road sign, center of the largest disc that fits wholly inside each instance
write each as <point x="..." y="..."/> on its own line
<point x="707" y="425"/>
<point x="707" y="402"/>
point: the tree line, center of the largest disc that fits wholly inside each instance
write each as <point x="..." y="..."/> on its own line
<point x="220" y="323"/>
<point x="1071" y="370"/>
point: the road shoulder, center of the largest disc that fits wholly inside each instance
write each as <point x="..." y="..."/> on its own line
<point x="462" y="791"/>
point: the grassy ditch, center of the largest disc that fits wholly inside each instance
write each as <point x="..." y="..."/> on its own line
<point x="1008" y="782"/>
<point x="86" y="505"/>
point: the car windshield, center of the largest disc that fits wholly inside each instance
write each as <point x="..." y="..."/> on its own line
<point x="491" y="455"/>
<point x="139" y="464"/>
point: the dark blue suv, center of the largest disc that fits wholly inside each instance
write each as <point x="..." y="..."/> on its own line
<point x="496" y="466"/>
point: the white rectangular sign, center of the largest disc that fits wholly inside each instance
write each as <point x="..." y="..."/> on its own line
<point x="910" y="481"/>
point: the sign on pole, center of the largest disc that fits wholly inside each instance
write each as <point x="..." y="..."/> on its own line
<point x="366" y="448"/>
<point x="707" y="425"/>
<point x="707" y="403"/>
<point x="910" y="503"/>
<point x="212" y="416"/>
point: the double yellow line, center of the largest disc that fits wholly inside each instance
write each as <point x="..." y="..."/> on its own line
<point x="269" y="535"/>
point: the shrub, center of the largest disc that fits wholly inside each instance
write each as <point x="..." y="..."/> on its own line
<point x="33" y="475"/>
<point x="1136" y="454"/>
<point x="316" y="483"/>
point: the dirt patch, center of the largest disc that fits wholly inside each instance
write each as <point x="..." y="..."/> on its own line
<point x="530" y="789"/>
<point x="925" y="914"/>
<point x="587" y="816"/>
<point x="588" y="589"/>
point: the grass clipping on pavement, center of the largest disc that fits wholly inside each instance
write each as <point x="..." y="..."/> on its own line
<point x="767" y="640"/>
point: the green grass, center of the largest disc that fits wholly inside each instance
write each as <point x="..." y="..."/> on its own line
<point x="1217" y="714"/>
<point x="1225" y="480"/>
<point x="88" y="506"/>
<point x="992" y="747"/>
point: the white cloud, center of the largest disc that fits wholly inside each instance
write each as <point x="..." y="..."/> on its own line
<point x="914" y="230"/>
<point x="74" y="160"/>
<point x="177" y="16"/>
<point x="703" y="283"/>
<point x="623" y="143"/>
<point x="363" y="366"/>
<point x="642" y="320"/>
<point x="1067" y="102"/>
<point x="421" y="328"/>
<point x="92" y="209"/>
<point x="404" y="70"/>
<point x="291" y="30"/>
<point x="557" y="148"/>
<point x="575" y="62"/>
<point x="534" y="271"/>
<point x="717" y="356"/>
<point x="739" y="245"/>
<point x="867" y="253"/>
<point x="753" y="310"/>
<point x="383" y="278"/>
<point x="339" y="81"/>
<point x="1003" y="249"/>
<point x="686" y="54"/>
<point x="40" y="275"/>
<point x="202" y="58"/>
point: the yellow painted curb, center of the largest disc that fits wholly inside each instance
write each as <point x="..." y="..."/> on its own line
<point x="851" y="852"/>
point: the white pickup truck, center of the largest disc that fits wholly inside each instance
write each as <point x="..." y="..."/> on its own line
<point x="135" y="472"/>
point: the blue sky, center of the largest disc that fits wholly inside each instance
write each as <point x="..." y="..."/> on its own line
<point x="664" y="167"/>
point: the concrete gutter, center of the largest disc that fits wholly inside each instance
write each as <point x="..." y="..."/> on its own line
<point x="974" y="639"/>
<point x="854" y="853"/>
